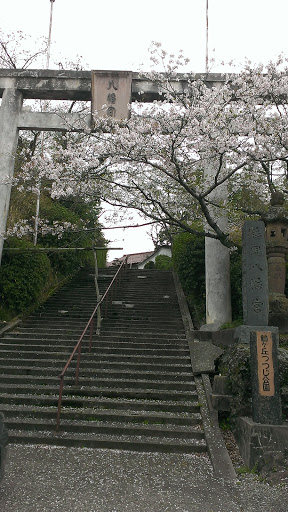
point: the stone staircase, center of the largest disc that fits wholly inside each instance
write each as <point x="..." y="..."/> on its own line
<point x="136" y="389"/>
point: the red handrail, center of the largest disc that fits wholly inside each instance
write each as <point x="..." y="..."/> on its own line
<point x="78" y="345"/>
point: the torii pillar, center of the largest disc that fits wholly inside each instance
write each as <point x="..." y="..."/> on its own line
<point x="9" y="114"/>
<point x="217" y="266"/>
<point x="218" y="292"/>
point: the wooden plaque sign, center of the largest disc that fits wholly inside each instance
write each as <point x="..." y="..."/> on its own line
<point x="111" y="94"/>
<point x="265" y="363"/>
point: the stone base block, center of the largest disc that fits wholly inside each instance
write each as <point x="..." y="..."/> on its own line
<point x="221" y="385"/>
<point x="256" y="441"/>
<point x="242" y="333"/>
<point x="220" y="396"/>
<point x="215" y="326"/>
<point x="221" y="403"/>
<point x="203" y="355"/>
<point x="222" y="338"/>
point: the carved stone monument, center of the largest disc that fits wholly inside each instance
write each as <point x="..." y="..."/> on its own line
<point x="264" y="432"/>
<point x="254" y="274"/>
<point x="266" y="404"/>
<point x="254" y="282"/>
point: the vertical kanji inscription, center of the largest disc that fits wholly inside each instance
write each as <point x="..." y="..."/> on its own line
<point x="265" y="363"/>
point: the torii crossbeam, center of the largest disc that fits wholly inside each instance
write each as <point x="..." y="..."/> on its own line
<point x="17" y="85"/>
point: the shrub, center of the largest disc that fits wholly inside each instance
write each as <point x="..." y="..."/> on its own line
<point x="188" y="253"/>
<point x="163" y="262"/>
<point x="189" y="263"/>
<point x="23" y="277"/>
<point x="235" y="363"/>
<point x="150" y="265"/>
<point x="101" y="258"/>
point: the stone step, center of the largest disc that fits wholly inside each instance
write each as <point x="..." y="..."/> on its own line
<point x="125" y="316"/>
<point x="95" y="381"/>
<point x="96" y="427"/>
<point x="144" y="332"/>
<point x="136" y="389"/>
<point x="92" y="358"/>
<point x="108" y="403"/>
<point x="156" y="329"/>
<point x="136" y="299"/>
<point x="130" y="311"/>
<point x="103" y="391"/>
<point x="100" y="373"/>
<point x="77" y="318"/>
<point x="46" y="333"/>
<point x="122" y="324"/>
<point x="110" y="345"/>
<point x="117" y="304"/>
<point x="157" y="323"/>
<point x="46" y="341"/>
<point x="130" y="364"/>
<point x="98" y="350"/>
<point x="135" y="310"/>
<point x="125" y="416"/>
<point x="134" y="443"/>
<point x="60" y="354"/>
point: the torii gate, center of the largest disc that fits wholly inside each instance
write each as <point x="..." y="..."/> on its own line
<point x="16" y="85"/>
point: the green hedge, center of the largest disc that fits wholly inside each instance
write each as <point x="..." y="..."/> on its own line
<point x="23" y="278"/>
<point x="188" y="253"/>
<point x="27" y="277"/>
<point x="150" y="265"/>
<point x="163" y="262"/>
<point x="189" y="263"/>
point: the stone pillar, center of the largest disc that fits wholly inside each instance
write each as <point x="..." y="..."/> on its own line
<point x="254" y="282"/>
<point x="9" y="112"/>
<point x="276" y="271"/>
<point x="217" y="267"/>
<point x="266" y="404"/>
<point x="254" y="274"/>
<point x="217" y="273"/>
<point x="277" y="248"/>
<point x="256" y="437"/>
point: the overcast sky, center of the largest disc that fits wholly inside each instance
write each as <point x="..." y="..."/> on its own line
<point x="116" y="34"/>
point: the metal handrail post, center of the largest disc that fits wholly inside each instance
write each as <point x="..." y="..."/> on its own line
<point x="78" y="363"/>
<point x="117" y="282"/>
<point x="59" y="402"/>
<point x="99" y="320"/>
<point x="78" y="345"/>
<point x="91" y="333"/>
<point x="106" y="305"/>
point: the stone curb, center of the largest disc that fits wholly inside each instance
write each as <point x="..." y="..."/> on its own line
<point x="219" y="456"/>
<point x="10" y="325"/>
<point x="217" y="450"/>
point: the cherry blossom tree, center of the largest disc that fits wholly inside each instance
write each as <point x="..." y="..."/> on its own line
<point x="15" y="50"/>
<point x="187" y="161"/>
<point x="172" y="159"/>
<point x="33" y="146"/>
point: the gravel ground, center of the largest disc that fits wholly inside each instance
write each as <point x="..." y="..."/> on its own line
<point x="232" y="448"/>
<point x="46" y="479"/>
